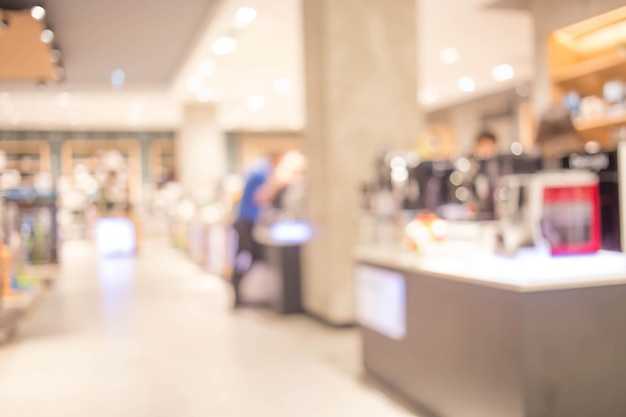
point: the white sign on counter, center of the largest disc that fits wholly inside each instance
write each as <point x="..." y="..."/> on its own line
<point x="381" y="301"/>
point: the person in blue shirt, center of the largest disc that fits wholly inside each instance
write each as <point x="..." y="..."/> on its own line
<point x="258" y="191"/>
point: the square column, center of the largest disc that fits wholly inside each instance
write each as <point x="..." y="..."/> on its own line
<point x="361" y="86"/>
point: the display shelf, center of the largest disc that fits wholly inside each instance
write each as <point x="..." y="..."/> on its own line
<point x="588" y="77"/>
<point x="162" y="156"/>
<point x="37" y="150"/>
<point x="78" y="151"/>
<point x="603" y="123"/>
<point x="583" y="57"/>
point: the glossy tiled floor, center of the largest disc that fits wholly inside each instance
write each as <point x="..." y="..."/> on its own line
<point x="153" y="336"/>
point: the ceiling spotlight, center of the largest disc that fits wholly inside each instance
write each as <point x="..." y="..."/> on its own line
<point x="517" y="148"/>
<point x="54" y="56"/>
<point x="256" y="102"/>
<point x="244" y="16"/>
<point x="194" y="83"/>
<point x="449" y="55"/>
<point x="503" y="72"/>
<point x="224" y="46"/>
<point x="467" y="84"/>
<point x="118" y="78"/>
<point x="59" y="74"/>
<point x="206" y="68"/>
<point x="63" y="99"/>
<point x="47" y="36"/>
<point x="5" y="99"/>
<point x="75" y="118"/>
<point x="38" y="12"/>
<point x="16" y="118"/>
<point x="428" y="95"/>
<point x="205" y="95"/>
<point x="4" y="23"/>
<point x="282" y="85"/>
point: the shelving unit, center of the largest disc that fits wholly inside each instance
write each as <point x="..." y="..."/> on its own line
<point x="162" y="155"/>
<point x="77" y="151"/>
<point x="583" y="57"/>
<point x="37" y="150"/>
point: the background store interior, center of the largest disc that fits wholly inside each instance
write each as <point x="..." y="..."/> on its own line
<point x="224" y="82"/>
<point x="124" y="123"/>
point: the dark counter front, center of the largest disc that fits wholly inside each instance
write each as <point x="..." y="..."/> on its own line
<point x="284" y="261"/>
<point x="463" y="349"/>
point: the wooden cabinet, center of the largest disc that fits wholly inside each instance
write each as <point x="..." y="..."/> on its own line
<point x="582" y="58"/>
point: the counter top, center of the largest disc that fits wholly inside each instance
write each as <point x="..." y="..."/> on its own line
<point x="529" y="271"/>
<point x="282" y="234"/>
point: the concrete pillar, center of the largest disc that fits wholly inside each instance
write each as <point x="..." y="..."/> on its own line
<point x="550" y="15"/>
<point x="201" y="151"/>
<point x="361" y="84"/>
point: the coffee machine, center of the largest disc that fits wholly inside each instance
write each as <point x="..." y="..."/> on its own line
<point x="558" y="211"/>
<point x="607" y="166"/>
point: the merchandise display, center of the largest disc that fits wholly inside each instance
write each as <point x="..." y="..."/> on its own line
<point x="587" y="65"/>
<point x="28" y="240"/>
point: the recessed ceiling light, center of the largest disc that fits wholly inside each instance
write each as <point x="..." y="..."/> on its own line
<point x="54" y="56"/>
<point x="449" y="55"/>
<point x="517" y="149"/>
<point x="59" y="74"/>
<point x="244" y="16"/>
<point x="5" y="99"/>
<point x="76" y="118"/>
<point x="194" y="83"/>
<point x="138" y="103"/>
<point x="467" y="84"/>
<point x="205" y="95"/>
<point x="282" y="85"/>
<point x="38" y="12"/>
<point x="47" y="36"/>
<point x="428" y="95"/>
<point x="503" y="72"/>
<point x="256" y="102"/>
<point x="4" y="23"/>
<point x="118" y="78"/>
<point x="206" y="68"/>
<point x="63" y="99"/>
<point x="224" y="45"/>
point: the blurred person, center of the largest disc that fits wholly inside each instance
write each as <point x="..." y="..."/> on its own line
<point x="261" y="187"/>
<point x="485" y="146"/>
<point x="557" y="136"/>
<point x="486" y="173"/>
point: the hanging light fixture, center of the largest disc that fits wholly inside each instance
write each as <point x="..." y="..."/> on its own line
<point x="4" y="21"/>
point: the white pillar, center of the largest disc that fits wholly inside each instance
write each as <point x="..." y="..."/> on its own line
<point x="361" y="82"/>
<point x="201" y="151"/>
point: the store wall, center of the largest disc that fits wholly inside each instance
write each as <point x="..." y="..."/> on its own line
<point x="201" y="151"/>
<point x="550" y="15"/>
<point x="498" y="113"/>
<point x="245" y="147"/>
<point x="57" y="138"/>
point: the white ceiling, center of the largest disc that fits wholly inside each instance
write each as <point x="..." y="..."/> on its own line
<point x="268" y="49"/>
<point x="484" y="37"/>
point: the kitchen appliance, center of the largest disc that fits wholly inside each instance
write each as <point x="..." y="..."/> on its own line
<point x="558" y="211"/>
<point x="606" y="166"/>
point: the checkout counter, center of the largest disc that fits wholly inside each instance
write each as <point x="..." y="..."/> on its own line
<point x="492" y="336"/>
<point x="460" y="330"/>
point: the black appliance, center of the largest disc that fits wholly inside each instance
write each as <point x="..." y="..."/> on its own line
<point x="606" y="166"/>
